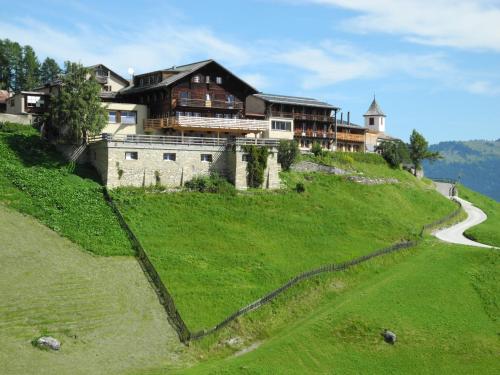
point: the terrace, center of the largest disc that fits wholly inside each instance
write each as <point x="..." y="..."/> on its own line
<point x="182" y="122"/>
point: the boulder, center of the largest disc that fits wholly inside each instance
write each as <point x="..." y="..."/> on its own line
<point x="389" y="337"/>
<point x="48" y="342"/>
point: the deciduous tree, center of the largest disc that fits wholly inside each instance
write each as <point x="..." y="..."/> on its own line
<point x="49" y="71"/>
<point x="76" y="110"/>
<point x="419" y="151"/>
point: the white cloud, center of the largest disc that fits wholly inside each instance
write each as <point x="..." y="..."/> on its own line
<point x="329" y="64"/>
<point x="483" y="88"/>
<point x="257" y="80"/>
<point x="155" y="47"/>
<point x="470" y="24"/>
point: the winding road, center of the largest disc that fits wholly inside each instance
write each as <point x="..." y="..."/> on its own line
<point x="454" y="234"/>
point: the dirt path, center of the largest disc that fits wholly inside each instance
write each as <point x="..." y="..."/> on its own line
<point x="455" y="233"/>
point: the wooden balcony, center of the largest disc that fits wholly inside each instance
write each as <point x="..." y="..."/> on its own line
<point x="302" y="116"/>
<point x="207" y="124"/>
<point x="201" y="103"/>
<point x="349" y="137"/>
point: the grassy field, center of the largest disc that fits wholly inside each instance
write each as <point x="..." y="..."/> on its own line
<point x="415" y="295"/>
<point x="489" y="231"/>
<point x="219" y="252"/>
<point x="101" y="308"/>
<point x="34" y="179"/>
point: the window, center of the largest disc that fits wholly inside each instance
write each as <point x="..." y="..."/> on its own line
<point x="208" y="96"/>
<point x="227" y="115"/>
<point x="129" y="117"/>
<point x="112" y="117"/>
<point x="131" y="155"/>
<point x="184" y="96"/>
<point x="218" y="80"/>
<point x="141" y="82"/>
<point x="196" y="79"/>
<point x="372" y="121"/>
<point x="230" y="101"/>
<point x="196" y="114"/>
<point x="281" y="125"/>
<point x="207" y="79"/>
<point x="168" y="156"/>
<point x="219" y="115"/>
<point x="206" y="158"/>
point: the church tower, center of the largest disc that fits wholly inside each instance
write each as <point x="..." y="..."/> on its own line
<point x="375" y="118"/>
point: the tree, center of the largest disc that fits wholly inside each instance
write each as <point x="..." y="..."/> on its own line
<point x="256" y="164"/>
<point x="76" y="111"/>
<point x="288" y="151"/>
<point x="419" y="151"/>
<point x="11" y="55"/>
<point x="30" y="69"/>
<point x="49" y="71"/>
<point x="394" y="152"/>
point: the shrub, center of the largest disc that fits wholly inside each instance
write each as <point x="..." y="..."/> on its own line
<point x="210" y="184"/>
<point x="11" y="127"/>
<point x="300" y="187"/>
<point x="316" y="149"/>
<point x="256" y="164"/>
<point x="288" y="151"/>
<point x="394" y="152"/>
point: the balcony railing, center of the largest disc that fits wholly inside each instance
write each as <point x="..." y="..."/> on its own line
<point x="201" y="103"/>
<point x="329" y="134"/>
<point x="302" y="116"/>
<point x="179" y="140"/>
<point x="207" y="123"/>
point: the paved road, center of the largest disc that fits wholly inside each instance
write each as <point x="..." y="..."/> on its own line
<point x="454" y="234"/>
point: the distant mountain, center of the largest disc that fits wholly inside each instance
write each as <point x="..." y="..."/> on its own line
<point x="477" y="163"/>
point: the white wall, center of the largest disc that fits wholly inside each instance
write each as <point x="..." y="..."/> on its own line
<point x="119" y="128"/>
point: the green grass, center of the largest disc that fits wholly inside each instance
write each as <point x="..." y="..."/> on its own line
<point x="441" y="300"/>
<point x="34" y="179"/>
<point x="102" y="309"/>
<point x="489" y="231"/>
<point x="217" y="253"/>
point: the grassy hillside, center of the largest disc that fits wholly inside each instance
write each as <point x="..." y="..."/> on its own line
<point x="414" y="295"/>
<point x="34" y="179"/>
<point x="102" y="309"/>
<point x="218" y="252"/>
<point x="476" y="162"/>
<point x="489" y="231"/>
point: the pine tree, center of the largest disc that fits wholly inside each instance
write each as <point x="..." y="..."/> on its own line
<point x="49" y="71"/>
<point x="30" y="69"/>
<point x="76" y="110"/>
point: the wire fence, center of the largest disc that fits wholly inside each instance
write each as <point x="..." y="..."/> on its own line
<point x="173" y="314"/>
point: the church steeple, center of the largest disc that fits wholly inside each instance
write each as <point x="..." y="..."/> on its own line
<point x="375" y="117"/>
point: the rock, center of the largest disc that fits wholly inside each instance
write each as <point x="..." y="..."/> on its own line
<point x="48" y="342"/>
<point x="308" y="166"/>
<point x="233" y="341"/>
<point x="389" y="337"/>
<point x="372" y="181"/>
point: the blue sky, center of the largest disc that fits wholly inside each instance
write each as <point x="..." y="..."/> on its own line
<point x="433" y="64"/>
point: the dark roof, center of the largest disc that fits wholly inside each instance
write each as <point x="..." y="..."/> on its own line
<point x="294" y="100"/>
<point x="374" y="110"/>
<point x="181" y="72"/>
<point x="349" y="125"/>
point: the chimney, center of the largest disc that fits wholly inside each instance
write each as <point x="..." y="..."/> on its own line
<point x="348" y="117"/>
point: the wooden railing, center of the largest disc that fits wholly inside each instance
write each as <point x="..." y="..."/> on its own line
<point x="184" y="102"/>
<point x="211" y="123"/>
<point x="350" y="137"/>
<point x="179" y="140"/>
<point x="302" y="116"/>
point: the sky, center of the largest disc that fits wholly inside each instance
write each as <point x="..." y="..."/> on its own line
<point x="432" y="64"/>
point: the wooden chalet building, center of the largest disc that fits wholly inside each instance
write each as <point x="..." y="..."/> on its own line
<point x="307" y="120"/>
<point x="199" y="99"/>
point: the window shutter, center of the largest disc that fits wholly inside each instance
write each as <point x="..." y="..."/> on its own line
<point x="118" y="116"/>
